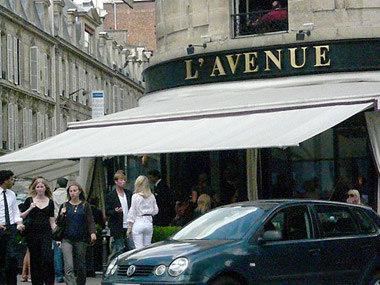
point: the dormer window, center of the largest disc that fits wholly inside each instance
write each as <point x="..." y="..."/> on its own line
<point x="256" y="17"/>
<point x="88" y="39"/>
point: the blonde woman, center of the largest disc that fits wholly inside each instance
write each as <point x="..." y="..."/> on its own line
<point x="354" y="197"/>
<point x="140" y="215"/>
<point x="204" y="205"/>
<point x="39" y="212"/>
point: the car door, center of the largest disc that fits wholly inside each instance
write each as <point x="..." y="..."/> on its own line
<point x="348" y="239"/>
<point x="294" y="258"/>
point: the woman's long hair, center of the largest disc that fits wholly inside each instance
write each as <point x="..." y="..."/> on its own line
<point x="204" y="203"/>
<point x="356" y="194"/>
<point x="82" y="196"/>
<point x="32" y="187"/>
<point x="142" y="186"/>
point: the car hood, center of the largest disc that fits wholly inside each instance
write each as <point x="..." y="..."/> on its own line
<point x="166" y="251"/>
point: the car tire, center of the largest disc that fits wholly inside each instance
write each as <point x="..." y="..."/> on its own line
<point x="225" y="280"/>
<point x="375" y="279"/>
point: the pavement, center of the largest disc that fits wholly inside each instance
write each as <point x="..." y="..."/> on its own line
<point x="89" y="281"/>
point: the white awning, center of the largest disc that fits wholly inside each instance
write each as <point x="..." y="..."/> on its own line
<point x="224" y="131"/>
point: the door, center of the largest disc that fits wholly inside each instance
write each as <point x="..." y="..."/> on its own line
<point x="295" y="258"/>
<point x="348" y="240"/>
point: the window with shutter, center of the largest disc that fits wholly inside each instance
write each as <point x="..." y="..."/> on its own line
<point x="38" y="126"/>
<point x="60" y="76"/>
<point x="1" y="124"/>
<point x="10" y="58"/>
<point x="74" y="81"/>
<point x="67" y="91"/>
<point x="121" y="99"/>
<point x="34" y="69"/>
<point x="30" y="120"/>
<point x="16" y="130"/>
<point x="61" y="124"/>
<point x="1" y="55"/>
<point x="11" y="127"/>
<point x="46" y="75"/>
<point x="25" y="127"/>
<point x="53" y="126"/>
<point x="16" y="54"/>
<point x="46" y="126"/>
<point x="114" y="96"/>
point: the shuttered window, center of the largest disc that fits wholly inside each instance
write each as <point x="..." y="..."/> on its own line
<point x="46" y="126"/>
<point x="30" y="121"/>
<point x="16" y="128"/>
<point x="25" y="127"/>
<point x="67" y="91"/>
<point x="60" y="76"/>
<point x="53" y="126"/>
<point x="11" y="127"/>
<point x="34" y="69"/>
<point x="10" y="57"/>
<point x="38" y="126"/>
<point x="46" y="74"/>
<point x="16" y="54"/>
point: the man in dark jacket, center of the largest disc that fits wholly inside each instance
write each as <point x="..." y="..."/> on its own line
<point x="118" y="202"/>
<point x="164" y="199"/>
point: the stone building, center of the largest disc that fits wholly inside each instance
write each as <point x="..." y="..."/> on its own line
<point x="53" y="54"/>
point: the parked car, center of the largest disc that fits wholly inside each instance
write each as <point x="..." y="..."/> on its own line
<point x="262" y="242"/>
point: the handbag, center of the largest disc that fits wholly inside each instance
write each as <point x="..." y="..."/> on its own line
<point x="57" y="233"/>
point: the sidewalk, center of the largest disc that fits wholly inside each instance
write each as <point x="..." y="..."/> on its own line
<point x="89" y="281"/>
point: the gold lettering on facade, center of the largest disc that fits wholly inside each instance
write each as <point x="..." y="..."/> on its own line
<point x="250" y="63"/>
<point x="273" y="58"/>
<point x="321" y="56"/>
<point x="189" y="74"/>
<point x="233" y="64"/>
<point x="293" y="60"/>
<point x="218" y="67"/>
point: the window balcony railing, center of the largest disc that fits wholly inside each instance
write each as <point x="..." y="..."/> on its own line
<point x="260" y="22"/>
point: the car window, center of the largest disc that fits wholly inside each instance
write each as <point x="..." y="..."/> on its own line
<point x="365" y="223"/>
<point x="293" y="223"/>
<point x="336" y="221"/>
<point x="229" y="223"/>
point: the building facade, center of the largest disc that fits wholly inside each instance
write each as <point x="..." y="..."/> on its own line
<point x="53" y="54"/>
<point x="268" y="58"/>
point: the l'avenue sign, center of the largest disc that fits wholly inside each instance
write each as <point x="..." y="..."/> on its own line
<point x="265" y="62"/>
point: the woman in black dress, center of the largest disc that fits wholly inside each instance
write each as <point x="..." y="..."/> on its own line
<point x="39" y="220"/>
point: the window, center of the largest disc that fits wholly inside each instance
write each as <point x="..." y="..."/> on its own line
<point x="336" y="221"/>
<point x="88" y="39"/>
<point x="34" y="69"/>
<point x="253" y="17"/>
<point x="16" y="60"/>
<point x="365" y="223"/>
<point x="293" y="223"/>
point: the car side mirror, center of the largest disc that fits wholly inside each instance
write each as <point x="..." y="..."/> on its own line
<point x="271" y="236"/>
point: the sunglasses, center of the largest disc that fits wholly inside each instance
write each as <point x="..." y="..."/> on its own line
<point x="351" y="195"/>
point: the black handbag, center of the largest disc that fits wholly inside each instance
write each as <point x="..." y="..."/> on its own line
<point x="57" y="233"/>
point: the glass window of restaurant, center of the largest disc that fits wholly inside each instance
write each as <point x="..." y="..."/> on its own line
<point x="323" y="167"/>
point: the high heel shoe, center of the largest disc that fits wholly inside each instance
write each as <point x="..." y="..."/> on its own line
<point x="23" y="279"/>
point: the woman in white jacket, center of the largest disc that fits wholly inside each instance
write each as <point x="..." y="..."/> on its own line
<point x="140" y="215"/>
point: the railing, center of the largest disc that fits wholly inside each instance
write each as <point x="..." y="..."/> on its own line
<point x="260" y="22"/>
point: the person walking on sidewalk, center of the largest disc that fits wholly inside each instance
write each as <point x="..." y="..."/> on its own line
<point x="10" y="223"/>
<point x="77" y="219"/>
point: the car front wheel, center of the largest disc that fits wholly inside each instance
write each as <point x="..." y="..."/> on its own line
<point x="225" y="280"/>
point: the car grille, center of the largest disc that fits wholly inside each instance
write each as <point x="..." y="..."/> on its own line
<point x="141" y="270"/>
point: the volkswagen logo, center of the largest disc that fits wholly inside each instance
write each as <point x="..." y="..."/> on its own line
<point x="131" y="270"/>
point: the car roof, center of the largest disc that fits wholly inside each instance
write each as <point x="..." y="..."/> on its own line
<point x="269" y="204"/>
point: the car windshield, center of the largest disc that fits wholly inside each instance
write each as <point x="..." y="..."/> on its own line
<point x="230" y="223"/>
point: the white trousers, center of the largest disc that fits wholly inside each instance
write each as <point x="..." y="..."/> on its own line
<point x="142" y="232"/>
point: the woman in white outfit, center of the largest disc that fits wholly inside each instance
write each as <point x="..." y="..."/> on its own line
<point x="140" y="215"/>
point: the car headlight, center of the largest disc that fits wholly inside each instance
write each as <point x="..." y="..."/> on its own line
<point x="160" y="270"/>
<point x="111" y="269"/>
<point x="178" y="266"/>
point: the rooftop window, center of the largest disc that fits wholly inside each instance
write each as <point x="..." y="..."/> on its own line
<point x="255" y="17"/>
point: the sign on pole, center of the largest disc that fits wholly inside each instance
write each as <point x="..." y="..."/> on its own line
<point x="97" y="104"/>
